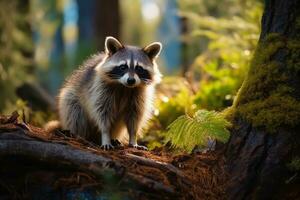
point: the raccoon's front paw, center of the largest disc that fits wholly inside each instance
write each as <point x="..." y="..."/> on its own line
<point x="140" y="147"/>
<point x="107" y="147"/>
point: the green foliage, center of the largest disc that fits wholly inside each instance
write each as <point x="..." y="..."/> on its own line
<point x="174" y="99"/>
<point x="15" y="50"/>
<point x="227" y="38"/>
<point x="217" y="94"/>
<point x="38" y="118"/>
<point x="174" y="107"/>
<point x="220" y="40"/>
<point x="187" y="132"/>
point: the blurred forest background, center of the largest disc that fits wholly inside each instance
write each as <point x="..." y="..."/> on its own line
<point x="207" y="48"/>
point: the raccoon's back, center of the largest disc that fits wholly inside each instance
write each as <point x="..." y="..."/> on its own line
<point x="85" y="73"/>
<point x="72" y="96"/>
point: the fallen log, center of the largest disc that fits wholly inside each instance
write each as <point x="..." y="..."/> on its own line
<point x="39" y="165"/>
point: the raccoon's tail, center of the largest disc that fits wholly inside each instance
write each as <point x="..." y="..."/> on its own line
<point x="52" y="126"/>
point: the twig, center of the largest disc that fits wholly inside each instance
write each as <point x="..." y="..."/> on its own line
<point x="156" y="164"/>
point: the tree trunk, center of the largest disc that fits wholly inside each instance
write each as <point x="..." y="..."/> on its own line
<point x="107" y="20"/>
<point x="264" y="147"/>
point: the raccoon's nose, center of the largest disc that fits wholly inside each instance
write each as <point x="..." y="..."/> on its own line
<point x="131" y="81"/>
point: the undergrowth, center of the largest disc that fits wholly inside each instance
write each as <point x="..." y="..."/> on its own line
<point x="187" y="132"/>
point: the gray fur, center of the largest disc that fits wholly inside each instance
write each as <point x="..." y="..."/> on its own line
<point x="90" y="104"/>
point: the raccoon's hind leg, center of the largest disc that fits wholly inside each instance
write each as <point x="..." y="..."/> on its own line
<point x="72" y="115"/>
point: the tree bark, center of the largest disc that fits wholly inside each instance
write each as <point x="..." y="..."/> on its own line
<point x="107" y="20"/>
<point x="258" y="153"/>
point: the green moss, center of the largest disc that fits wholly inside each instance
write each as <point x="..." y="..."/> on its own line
<point x="294" y="165"/>
<point x="266" y="98"/>
<point x="273" y="112"/>
<point x="294" y="63"/>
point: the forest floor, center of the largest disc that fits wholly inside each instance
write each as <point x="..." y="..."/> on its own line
<point x="157" y="172"/>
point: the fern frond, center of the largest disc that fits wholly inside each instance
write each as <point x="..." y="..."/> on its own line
<point x="186" y="132"/>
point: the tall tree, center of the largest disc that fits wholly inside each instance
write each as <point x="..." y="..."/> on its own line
<point x="264" y="148"/>
<point x="107" y="20"/>
<point x="96" y="20"/>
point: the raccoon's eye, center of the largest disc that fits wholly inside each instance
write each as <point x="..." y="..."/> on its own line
<point x="123" y="67"/>
<point x="139" y="69"/>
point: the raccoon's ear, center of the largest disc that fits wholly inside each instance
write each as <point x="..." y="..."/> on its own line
<point x="112" y="45"/>
<point x="153" y="50"/>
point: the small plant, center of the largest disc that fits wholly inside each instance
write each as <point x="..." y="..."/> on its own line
<point x="187" y="132"/>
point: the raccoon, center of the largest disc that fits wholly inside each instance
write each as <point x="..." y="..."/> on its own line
<point x="110" y="97"/>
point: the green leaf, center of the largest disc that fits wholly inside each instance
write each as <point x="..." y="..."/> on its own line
<point x="186" y="132"/>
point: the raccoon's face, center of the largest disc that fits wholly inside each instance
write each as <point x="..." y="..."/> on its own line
<point x="128" y="65"/>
